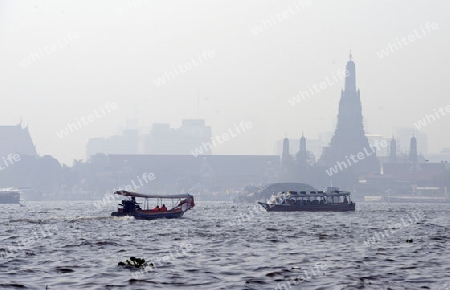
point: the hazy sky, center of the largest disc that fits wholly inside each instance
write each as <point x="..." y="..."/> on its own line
<point x="88" y="54"/>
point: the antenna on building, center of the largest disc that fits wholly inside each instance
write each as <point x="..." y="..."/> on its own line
<point x="350" y="55"/>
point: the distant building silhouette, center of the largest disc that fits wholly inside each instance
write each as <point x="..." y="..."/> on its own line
<point x="288" y="168"/>
<point x="127" y="143"/>
<point x="177" y="172"/>
<point x="413" y="150"/>
<point x="393" y="151"/>
<point x="349" y="137"/>
<point x="305" y="162"/>
<point x="302" y="155"/>
<point x="285" y="157"/>
<point x="409" y="174"/>
<point x="403" y="138"/>
<point x="16" y="140"/>
<point x="161" y="140"/>
<point x="302" y="144"/>
<point x="192" y="134"/>
<point x="315" y="146"/>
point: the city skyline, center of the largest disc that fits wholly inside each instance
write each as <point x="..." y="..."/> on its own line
<point x="224" y="77"/>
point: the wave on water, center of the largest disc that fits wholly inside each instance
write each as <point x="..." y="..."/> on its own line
<point x="379" y="246"/>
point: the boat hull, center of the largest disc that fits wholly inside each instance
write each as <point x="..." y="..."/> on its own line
<point x="129" y="207"/>
<point x="10" y="197"/>
<point x="151" y="216"/>
<point x="167" y="215"/>
<point x="312" y="208"/>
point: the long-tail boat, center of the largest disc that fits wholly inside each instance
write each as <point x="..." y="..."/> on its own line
<point x="129" y="207"/>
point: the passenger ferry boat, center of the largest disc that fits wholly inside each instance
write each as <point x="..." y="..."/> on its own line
<point x="9" y="196"/>
<point x="330" y="200"/>
<point x="129" y="207"/>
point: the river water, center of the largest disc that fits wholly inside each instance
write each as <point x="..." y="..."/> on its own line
<point x="75" y="245"/>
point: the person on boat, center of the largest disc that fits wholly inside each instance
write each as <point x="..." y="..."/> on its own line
<point x="163" y="208"/>
<point x="156" y="208"/>
<point x="345" y="200"/>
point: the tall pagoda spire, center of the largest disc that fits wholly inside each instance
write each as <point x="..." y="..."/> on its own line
<point x="302" y="143"/>
<point x="349" y="137"/>
<point x="350" y="79"/>
<point x="413" y="150"/>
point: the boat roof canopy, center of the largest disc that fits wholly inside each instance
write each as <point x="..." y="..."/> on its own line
<point x="315" y="194"/>
<point x="135" y="194"/>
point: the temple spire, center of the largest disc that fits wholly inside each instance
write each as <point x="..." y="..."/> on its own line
<point x="302" y="143"/>
<point x="349" y="135"/>
<point x="350" y="78"/>
<point x="413" y="150"/>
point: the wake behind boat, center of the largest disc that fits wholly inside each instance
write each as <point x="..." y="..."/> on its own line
<point x="330" y="200"/>
<point x="129" y="207"/>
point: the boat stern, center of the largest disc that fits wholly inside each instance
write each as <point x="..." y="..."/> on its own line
<point x="187" y="203"/>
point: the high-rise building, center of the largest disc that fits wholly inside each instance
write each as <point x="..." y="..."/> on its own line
<point x="193" y="134"/>
<point x="349" y="139"/>
<point x="125" y="143"/>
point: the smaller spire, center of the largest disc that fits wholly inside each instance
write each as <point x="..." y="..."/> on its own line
<point x="350" y="55"/>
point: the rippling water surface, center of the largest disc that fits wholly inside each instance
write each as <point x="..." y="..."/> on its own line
<point x="73" y="245"/>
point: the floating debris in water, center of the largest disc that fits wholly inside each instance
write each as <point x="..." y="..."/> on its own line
<point x="135" y="262"/>
<point x="64" y="270"/>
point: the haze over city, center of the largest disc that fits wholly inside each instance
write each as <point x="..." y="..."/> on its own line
<point x="194" y="144"/>
<point x="226" y="62"/>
